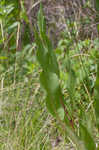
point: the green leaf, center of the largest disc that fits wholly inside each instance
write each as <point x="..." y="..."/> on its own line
<point x="97" y="5"/>
<point x="50" y="82"/>
<point x="97" y="95"/>
<point x="3" y="57"/>
<point x="14" y="25"/>
<point x="45" y="54"/>
<point x="41" y="51"/>
<point x="54" y="106"/>
<point x="71" y="81"/>
<point x="61" y="113"/>
<point x="86" y="138"/>
<point x="9" y="9"/>
<point x="49" y="77"/>
<point x="41" y="21"/>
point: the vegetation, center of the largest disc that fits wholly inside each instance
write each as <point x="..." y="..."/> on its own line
<point x="49" y="94"/>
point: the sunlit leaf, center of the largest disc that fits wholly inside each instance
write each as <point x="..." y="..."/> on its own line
<point x="9" y="9"/>
<point x="3" y="57"/>
<point x="15" y="24"/>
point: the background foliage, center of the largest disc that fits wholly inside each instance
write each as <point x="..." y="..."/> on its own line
<point x="56" y="46"/>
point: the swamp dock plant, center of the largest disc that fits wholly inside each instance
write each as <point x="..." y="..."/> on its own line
<point x="50" y="80"/>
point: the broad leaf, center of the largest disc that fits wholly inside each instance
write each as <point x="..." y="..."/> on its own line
<point x="49" y="77"/>
<point x="45" y="54"/>
<point x="50" y="82"/>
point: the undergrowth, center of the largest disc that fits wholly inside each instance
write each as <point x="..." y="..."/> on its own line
<point x="67" y="72"/>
